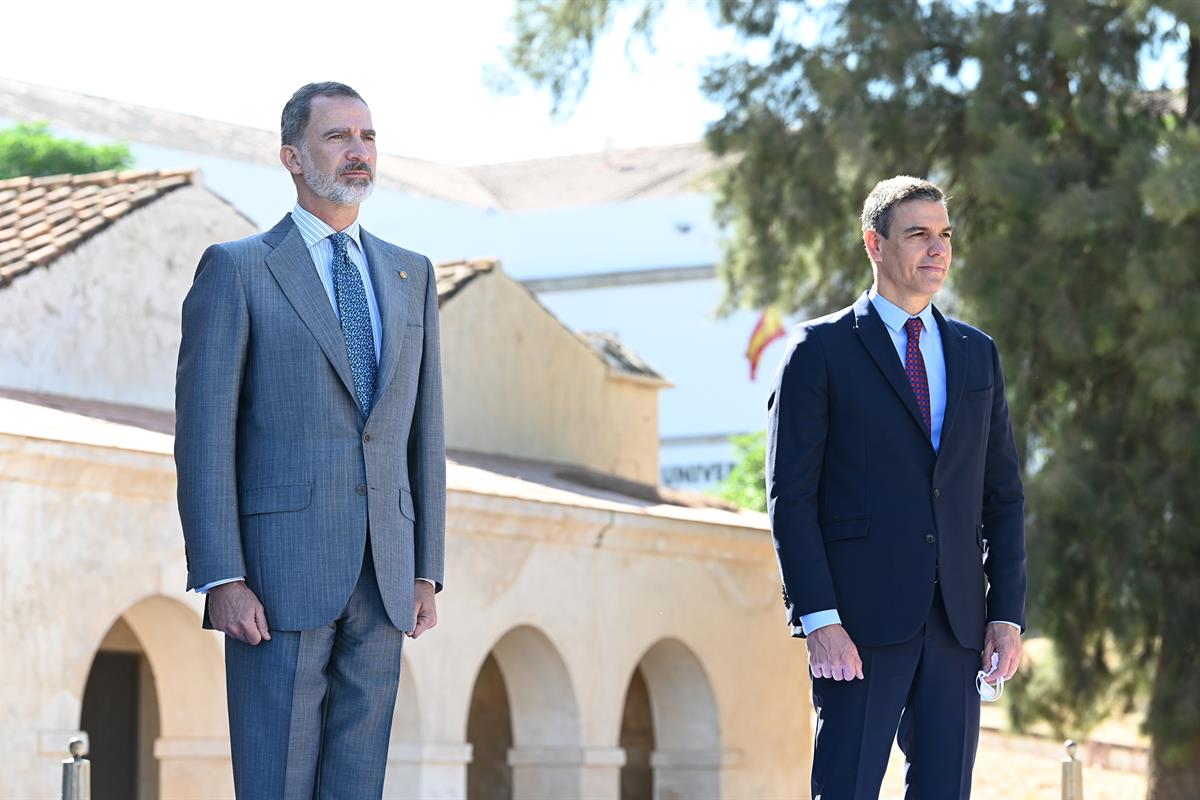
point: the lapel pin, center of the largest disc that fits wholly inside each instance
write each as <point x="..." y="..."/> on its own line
<point x="403" y="274"/>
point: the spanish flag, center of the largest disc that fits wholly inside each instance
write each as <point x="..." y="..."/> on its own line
<point x="769" y="328"/>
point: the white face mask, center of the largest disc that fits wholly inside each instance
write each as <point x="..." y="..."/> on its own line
<point x="987" y="691"/>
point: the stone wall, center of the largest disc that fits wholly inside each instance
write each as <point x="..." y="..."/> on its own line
<point x="102" y="322"/>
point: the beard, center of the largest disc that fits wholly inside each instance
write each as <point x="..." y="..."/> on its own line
<point x="327" y="186"/>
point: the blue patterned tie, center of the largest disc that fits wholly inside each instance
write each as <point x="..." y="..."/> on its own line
<point x="355" y="316"/>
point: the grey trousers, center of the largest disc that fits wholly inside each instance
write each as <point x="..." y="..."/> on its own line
<point x="310" y="712"/>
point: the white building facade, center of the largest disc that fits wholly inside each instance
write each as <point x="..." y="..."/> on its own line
<point x="600" y="636"/>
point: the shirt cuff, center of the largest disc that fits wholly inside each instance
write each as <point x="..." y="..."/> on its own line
<point x="204" y="589"/>
<point x="816" y="620"/>
<point x="432" y="583"/>
<point x="1005" y="622"/>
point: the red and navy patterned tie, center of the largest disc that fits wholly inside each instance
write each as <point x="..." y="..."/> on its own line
<point x="914" y="365"/>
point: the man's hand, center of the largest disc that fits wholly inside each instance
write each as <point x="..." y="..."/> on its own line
<point x="236" y="612"/>
<point x="424" y="608"/>
<point x="1004" y="639"/>
<point x="831" y="654"/>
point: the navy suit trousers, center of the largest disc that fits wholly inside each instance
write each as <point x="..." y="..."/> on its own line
<point x="922" y="691"/>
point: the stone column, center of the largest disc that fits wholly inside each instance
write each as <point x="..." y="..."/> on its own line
<point x="194" y="768"/>
<point x="690" y="774"/>
<point x="428" y="771"/>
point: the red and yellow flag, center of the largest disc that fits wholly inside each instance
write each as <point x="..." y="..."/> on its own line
<point x="769" y="328"/>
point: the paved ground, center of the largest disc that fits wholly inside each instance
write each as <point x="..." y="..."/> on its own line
<point x="1004" y="771"/>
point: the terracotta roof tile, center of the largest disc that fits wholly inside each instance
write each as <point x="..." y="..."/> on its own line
<point x="41" y="219"/>
<point x="35" y="230"/>
<point x="52" y="180"/>
<point x="37" y="243"/>
<point x="31" y="207"/>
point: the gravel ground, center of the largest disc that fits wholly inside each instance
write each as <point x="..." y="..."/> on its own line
<point x="1005" y="771"/>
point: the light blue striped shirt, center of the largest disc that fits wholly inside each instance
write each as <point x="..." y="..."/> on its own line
<point x="316" y="233"/>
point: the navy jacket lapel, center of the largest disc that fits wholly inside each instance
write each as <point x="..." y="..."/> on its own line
<point x="293" y="268"/>
<point x="391" y="294"/>
<point x="875" y="338"/>
<point x="954" y="348"/>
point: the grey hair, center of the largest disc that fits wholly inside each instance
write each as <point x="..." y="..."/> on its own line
<point x="298" y="109"/>
<point x="883" y="199"/>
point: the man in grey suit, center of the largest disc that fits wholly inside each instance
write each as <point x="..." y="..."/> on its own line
<point x="312" y="476"/>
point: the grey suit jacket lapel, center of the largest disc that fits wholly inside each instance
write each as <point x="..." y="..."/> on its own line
<point x="391" y="294"/>
<point x="293" y="268"/>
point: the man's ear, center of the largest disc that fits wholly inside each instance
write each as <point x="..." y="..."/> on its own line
<point x="873" y="242"/>
<point x="290" y="156"/>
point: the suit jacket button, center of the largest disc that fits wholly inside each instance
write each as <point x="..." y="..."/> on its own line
<point x="362" y="490"/>
<point x="366" y="438"/>
<point x="929" y="538"/>
<point x="937" y="493"/>
<point x="403" y="274"/>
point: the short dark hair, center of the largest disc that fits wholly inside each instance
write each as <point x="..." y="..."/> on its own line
<point x="883" y="199"/>
<point x="298" y="109"/>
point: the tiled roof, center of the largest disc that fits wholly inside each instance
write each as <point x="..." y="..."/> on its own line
<point x="454" y="275"/>
<point x="43" y="218"/>
<point x="619" y="357"/>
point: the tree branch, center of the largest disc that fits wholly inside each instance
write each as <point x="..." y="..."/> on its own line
<point x="1192" y="115"/>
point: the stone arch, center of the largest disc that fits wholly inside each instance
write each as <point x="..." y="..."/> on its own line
<point x="547" y="754"/>
<point x="187" y="668"/>
<point x="686" y="761"/>
<point x="405" y="752"/>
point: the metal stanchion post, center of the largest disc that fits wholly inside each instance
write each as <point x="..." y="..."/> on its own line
<point x="1072" y="774"/>
<point x="77" y="773"/>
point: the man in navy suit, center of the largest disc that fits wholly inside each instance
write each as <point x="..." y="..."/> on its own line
<point x="897" y="512"/>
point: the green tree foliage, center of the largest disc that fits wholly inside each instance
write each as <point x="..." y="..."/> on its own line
<point x="1076" y="196"/>
<point x="31" y="149"/>
<point x="745" y="485"/>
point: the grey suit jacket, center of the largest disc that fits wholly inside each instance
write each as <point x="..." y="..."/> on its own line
<point x="280" y="476"/>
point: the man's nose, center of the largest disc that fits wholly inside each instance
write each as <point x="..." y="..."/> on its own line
<point x="358" y="150"/>
<point x="938" y="246"/>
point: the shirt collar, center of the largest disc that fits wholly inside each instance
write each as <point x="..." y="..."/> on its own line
<point x="896" y="317"/>
<point x="313" y="229"/>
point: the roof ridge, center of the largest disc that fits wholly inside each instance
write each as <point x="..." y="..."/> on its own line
<point x="108" y="177"/>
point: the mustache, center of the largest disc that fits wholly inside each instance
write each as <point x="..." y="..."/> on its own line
<point x="357" y="166"/>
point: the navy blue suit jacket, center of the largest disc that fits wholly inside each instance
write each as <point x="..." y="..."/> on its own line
<point x="864" y="513"/>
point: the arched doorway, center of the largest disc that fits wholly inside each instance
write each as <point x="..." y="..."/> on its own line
<point x="637" y="740"/>
<point x="523" y="722"/>
<point x="157" y="651"/>
<point x="670" y="716"/>
<point x="489" y="731"/>
<point x="120" y="715"/>
<point x="403" y="777"/>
